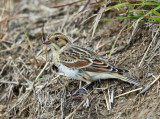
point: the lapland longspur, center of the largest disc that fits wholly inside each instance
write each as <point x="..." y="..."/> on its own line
<point x="82" y="64"/>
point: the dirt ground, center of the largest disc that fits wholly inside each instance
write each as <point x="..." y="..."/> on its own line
<point x="31" y="87"/>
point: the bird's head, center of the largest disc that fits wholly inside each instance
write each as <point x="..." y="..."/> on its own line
<point x="57" y="41"/>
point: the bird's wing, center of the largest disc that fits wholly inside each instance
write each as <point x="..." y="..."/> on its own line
<point x="86" y="60"/>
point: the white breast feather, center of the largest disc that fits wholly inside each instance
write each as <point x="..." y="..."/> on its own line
<point x="72" y="73"/>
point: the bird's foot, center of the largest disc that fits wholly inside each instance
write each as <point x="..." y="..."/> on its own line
<point x="81" y="90"/>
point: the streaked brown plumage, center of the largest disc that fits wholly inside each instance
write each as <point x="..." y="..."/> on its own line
<point x="82" y="64"/>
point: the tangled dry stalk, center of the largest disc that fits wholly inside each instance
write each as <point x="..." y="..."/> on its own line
<point x="30" y="86"/>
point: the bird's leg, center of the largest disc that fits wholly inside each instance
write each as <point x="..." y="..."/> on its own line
<point x="82" y="89"/>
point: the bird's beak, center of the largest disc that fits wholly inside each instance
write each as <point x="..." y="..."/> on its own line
<point x="47" y="42"/>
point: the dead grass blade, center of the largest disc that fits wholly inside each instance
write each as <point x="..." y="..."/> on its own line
<point x="123" y="94"/>
<point x="97" y="19"/>
<point x="86" y="5"/>
<point x="107" y="100"/>
<point x="29" y="42"/>
<point x="20" y="100"/>
<point x="149" y="86"/>
<point x="74" y="111"/>
<point x="133" y="32"/>
<point x="20" y="73"/>
<point x="41" y="71"/>
<point x="113" y="46"/>
<point x="154" y="38"/>
<point x="68" y="4"/>
<point x="112" y="96"/>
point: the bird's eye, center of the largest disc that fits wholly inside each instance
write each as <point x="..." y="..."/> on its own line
<point x="56" y="38"/>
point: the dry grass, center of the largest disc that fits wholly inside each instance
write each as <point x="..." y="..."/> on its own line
<point x="30" y="86"/>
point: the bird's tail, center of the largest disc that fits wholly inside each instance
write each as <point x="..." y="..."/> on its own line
<point x="129" y="80"/>
<point x="132" y="81"/>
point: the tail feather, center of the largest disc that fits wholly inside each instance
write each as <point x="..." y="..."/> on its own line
<point x="132" y="81"/>
<point x="129" y="80"/>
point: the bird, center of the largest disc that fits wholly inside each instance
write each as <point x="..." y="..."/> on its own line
<point x="82" y="64"/>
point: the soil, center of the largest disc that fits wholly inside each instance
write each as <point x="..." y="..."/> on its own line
<point x="30" y="87"/>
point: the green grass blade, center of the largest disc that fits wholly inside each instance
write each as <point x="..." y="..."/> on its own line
<point x="156" y="13"/>
<point x="158" y="7"/>
<point x="127" y="4"/>
<point x="153" y="18"/>
<point x="39" y="79"/>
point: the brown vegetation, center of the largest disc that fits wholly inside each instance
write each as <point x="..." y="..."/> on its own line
<point x="30" y="86"/>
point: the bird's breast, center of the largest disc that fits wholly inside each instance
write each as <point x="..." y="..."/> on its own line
<point x="69" y="72"/>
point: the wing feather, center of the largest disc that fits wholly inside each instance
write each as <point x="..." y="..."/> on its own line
<point x="72" y="58"/>
<point x="78" y="64"/>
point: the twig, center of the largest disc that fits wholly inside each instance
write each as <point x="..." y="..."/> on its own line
<point x="107" y="103"/>
<point x="19" y="45"/>
<point x="42" y="71"/>
<point x="3" y="69"/>
<point x="29" y="42"/>
<point x="69" y="116"/>
<point x="115" y="41"/>
<point x="112" y="96"/>
<point x="28" y="81"/>
<point x="4" y="37"/>
<point x="9" y="82"/>
<point x="128" y="92"/>
<point x="68" y="4"/>
<point x="80" y="84"/>
<point x="148" y="48"/>
<point x="85" y="6"/>
<point x="23" y="98"/>
<point x="109" y="99"/>
<point x="31" y="86"/>
<point x="135" y="27"/>
<point x="148" y="87"/>
<point x="98" y="19"/>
